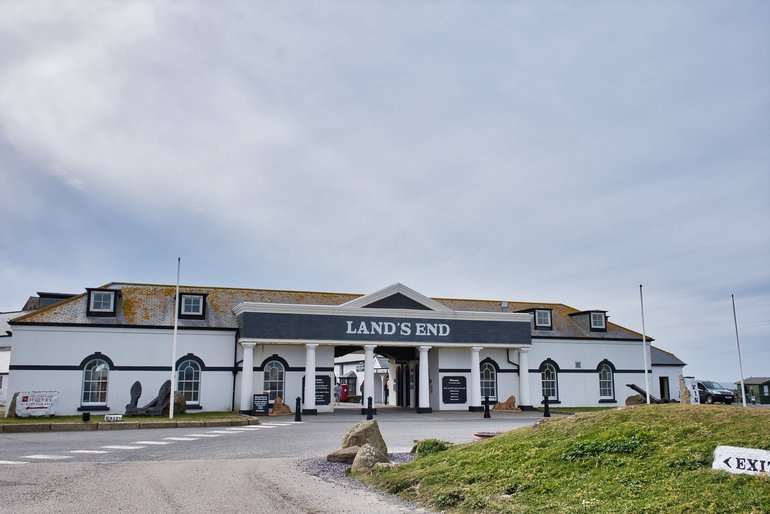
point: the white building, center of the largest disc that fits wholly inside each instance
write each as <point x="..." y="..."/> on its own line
<point x="442" y="354"/>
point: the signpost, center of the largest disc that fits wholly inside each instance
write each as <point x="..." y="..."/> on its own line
<point x="743" y="461"/>
<point x="454" y="390"/>
<point x="37" y="403"/>
<point x="261" y="404"/>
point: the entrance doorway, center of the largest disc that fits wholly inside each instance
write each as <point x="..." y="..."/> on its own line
<point x="403" y="385"/>
<point x="665" y="393"/>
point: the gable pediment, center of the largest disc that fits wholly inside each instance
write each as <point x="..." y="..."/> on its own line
<point x="397" y="296"/>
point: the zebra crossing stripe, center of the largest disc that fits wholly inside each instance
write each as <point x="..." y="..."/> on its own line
<point x="12" y="462"/>
<point x="95" y="452"/>
<point x="152" y="442"/>
<point x="122" y="447"/>
<point x="243" y="429"/>
<point x="222" y="432"/>
<point x="181" y="438"/>
<point x="47" y="457"/>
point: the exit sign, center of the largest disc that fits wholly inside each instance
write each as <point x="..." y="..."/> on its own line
<point x="748" y="461"/>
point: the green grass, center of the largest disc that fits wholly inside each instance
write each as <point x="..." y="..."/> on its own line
<point x="648" y="459"/>
<point x="184" y="416"/>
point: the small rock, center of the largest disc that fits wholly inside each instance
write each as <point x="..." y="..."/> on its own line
<point x="365" y="432"/>
<point x="346" y="455"/>
<point x="366" y="458"/>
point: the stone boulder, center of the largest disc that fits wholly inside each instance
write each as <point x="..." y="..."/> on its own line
<point x="636" y="399"/>
<point x="366" y="458"/>
<point x="508" y="405"/>
<point x="180" y="404"/>
<point x="345" y="455"/>
<point x="365" y="432"/>
<point x="280" y="408"/>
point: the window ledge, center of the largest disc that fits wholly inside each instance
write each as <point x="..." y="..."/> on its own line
<point x="608" y="401"/>
<point x="194" y="407"/>
<point x="93" y="408"/>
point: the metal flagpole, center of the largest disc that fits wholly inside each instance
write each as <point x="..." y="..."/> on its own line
<point x="644" y="349"/>
<point x="740" y="361"/>
<point x="173" y="344"/>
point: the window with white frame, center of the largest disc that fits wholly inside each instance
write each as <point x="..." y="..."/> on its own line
<point x="189" y="381"/>
<point x="101" y="302"/>
<point x="96" y="374"/>
<point x="542" y="318"/>
<point x="274" y="379"/>
<point x="488" y="381"/>
<point x="598" y="321"/>
<point x="606" y="382"/>
<point x="550" y="381"/>
<point x="191" y="305"/>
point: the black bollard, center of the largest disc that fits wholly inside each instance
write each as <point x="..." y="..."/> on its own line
<point x="546" y="410"/>
<point x="486" y="407"/>
<point x="86" y="417"/>
<point x="298" y="410"/>
<point x="369" y="409"/>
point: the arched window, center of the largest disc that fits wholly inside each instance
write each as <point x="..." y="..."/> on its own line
<point x="488" y="381"/>
<point x="606" y="382"/>
<point x="550" y="380"/>
<point x="189" y="381"/>
<point x="96" y="373"/>
<point x="274" y="373"/>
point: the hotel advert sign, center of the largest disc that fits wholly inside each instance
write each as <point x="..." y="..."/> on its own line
<point x="279" y="326"/>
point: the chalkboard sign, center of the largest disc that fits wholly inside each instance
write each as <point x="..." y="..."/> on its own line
<point x="323" y="390"/>
<point x="261" y="404"/>
<point x="453" y="390"/>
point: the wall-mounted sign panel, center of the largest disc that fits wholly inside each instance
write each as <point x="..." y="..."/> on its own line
<point x="318" y="327"/>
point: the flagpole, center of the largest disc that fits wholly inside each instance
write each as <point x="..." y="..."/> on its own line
<point x="173" y="344"/>
<point x="740" y="361"/>
<point x="644" y="349"/>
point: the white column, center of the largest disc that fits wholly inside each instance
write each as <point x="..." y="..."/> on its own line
<point x="368" y="373"/>
<point x="310" y="379"/>
<point x="524" y="399"/>
<point x="247" y="377"/>
<point x="423" y="406"/>
<point x="475" y="404"/>
<point x="392" y="398"/>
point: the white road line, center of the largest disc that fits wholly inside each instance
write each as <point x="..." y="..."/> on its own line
<point x="181" y="438"/>
<point x="269" y="426"/>
<point x="243" y="429"/>
<point x="202" y="435"/>
<point x="11" y="462"/>
<point x="153" y="442"/>
<point x="276" y="425"/>
<point x="222" y="432"/>
<point x="122" y="447"/>
<point x="95" y="452"/>
<point x="47" y="457"/>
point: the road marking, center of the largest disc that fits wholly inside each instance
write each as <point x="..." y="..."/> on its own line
<point x="269" y="426"/>
<point x="181" y="438"/>
<point x="221" y="432"/>
<point x="122" y="447"/>
<point x="12" y="462"/>
<point x="243" y="429"/>
<point x="47" y="457"/>
<point x="96" y="452"/>
<point x="276" y="425"/>
<point x="154" y="442"/>
<point x="202" y="435"/>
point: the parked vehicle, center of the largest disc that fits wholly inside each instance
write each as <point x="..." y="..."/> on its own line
<point x="711" y="392"/>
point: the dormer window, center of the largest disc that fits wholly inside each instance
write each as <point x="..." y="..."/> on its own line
<point x="543" y="319"/>
<point x="598" y="321"/>
<point x="192" y="306"/>
<point x="101" y="302"/>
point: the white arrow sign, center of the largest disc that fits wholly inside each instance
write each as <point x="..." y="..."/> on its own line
<point x="749" y="461"/>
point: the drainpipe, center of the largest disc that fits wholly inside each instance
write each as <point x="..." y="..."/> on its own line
<point x="235" y="368"/>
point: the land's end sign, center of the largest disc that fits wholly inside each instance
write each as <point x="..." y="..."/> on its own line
<point x="748" y="461"/>
<point x="37" y="403"/>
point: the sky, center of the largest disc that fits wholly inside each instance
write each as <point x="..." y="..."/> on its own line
<point x="561" y="152"/>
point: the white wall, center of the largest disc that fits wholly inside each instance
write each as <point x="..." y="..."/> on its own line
<point x="68" y="346"/>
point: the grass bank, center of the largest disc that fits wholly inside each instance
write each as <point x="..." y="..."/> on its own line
<point x="653" y="458"/>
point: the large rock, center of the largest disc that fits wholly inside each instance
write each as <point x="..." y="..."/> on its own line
<point x="365" y="432"/>
<point x="636" y="399"/>
<point x="180" y="404"/>
<point x="366" y="458"/>
<point x="346" y="455"/>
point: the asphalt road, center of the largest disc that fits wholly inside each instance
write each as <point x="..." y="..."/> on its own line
<point x="232" y="469"/>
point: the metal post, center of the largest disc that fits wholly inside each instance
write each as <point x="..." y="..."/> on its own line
<point x="546" y="409"/>
<point x="298" y="410"/>
<point x="740" y="361"/>
<point x="486" y="407"/>
<point x="644" y="348"/>
<point x="369" y="414"/>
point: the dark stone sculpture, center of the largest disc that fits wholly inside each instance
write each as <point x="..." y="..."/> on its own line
<point x="156" y="407"/>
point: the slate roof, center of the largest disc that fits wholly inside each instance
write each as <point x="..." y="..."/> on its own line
<point x="660" y="357"/>
<point x="755" y="381"/>
<point x="152" y="305"/>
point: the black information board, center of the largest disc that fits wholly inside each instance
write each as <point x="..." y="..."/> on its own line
<point x="453" y="390"/>
<point x="261" y="404"/>
<point x="323" y="390"/>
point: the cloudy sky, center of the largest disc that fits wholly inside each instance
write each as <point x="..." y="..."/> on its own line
<point x="561" y="152"/>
